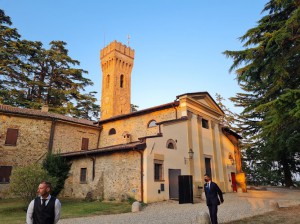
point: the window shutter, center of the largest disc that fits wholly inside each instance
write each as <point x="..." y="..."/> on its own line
<point x="85" y="144"/>
<point x="11" y="136"/>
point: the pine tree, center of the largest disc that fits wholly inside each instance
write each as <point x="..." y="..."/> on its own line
<point x="268" y="70"/>
<point x="32" y="76"/>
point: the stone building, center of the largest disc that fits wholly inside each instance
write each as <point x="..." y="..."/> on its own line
<point x="128" y="154"/>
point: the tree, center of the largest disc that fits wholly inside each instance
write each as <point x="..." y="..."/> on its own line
<point x="32" y="76"/>
<point x="24" y="181"/>
<point x="57" y="167"/>
<point x="268" y="71"/>
<point x="12" y="79"/>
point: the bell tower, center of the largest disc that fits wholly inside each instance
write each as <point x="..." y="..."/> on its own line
<point x="116" y="64"/>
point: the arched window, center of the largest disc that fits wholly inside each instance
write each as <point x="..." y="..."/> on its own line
<point x="112" y="131"/>
<point x="171" y="144"/>
<point x="121" y="81"/>
<point x="107" y="81"/>
<point x="151" y="123"/>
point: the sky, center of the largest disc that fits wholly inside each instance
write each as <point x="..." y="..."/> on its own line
<point x="178" y="44"/>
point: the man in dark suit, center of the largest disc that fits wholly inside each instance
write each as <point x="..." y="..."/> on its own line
<point x="212" y="191"/>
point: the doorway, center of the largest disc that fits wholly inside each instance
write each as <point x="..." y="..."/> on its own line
<point x="233" y="182"/>
<point x="208" y="166"/>
<point x="173" y="183"/>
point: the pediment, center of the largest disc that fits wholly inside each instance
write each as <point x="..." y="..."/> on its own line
<point x="204" y="99"/>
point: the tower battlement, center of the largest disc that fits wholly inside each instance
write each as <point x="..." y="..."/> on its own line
<point x="119" y="47"/>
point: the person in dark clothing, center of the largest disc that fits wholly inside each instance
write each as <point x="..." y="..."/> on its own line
<point x="212" y="191"/>
<point x="44" y="209"/>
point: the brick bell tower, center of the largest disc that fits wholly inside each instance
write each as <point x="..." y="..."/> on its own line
<point x="116" y="63"/>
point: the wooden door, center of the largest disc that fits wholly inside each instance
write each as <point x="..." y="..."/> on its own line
<point x="233" y="181"/>
<point x="173" y="183"/>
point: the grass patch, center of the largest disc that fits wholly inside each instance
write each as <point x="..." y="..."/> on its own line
<point x="12" y="211"/>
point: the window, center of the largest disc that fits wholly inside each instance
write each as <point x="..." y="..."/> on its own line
<point x="205" y="124"/>
<point x="107" y="81"/>
<point x="83" y="175"/>
<point x="5" y="172"/>
<point x="151" y="123"/>
<point x="158" y="170"/>
<point x="85" y="144"/>
<point x="121" y="81"/>
<point x="11" y="136"/>
<point x="112" y="131"/>
<point x="171" y="144"/>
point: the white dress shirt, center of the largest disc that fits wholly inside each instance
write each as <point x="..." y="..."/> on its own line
<point x="57" y="208"/>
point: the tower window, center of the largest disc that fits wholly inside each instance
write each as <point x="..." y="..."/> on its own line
<point x="107" y="81"/>
<point x="112" y="131"/>
<point x="121" y="81"/>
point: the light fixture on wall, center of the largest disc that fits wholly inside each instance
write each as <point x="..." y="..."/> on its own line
<point x="191" y="156"/>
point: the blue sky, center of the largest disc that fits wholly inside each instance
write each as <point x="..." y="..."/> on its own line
<point x="178" y="44"/>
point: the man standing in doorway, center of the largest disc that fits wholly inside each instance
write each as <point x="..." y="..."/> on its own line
<point x="44" y="209"/>
<point x="212" y="191"/>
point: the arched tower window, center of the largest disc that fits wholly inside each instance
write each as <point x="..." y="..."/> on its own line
<point x="112" y="131"/>
<point x="151" y="123"/>
<point x="107" y="81"/>
<point x="171" y="144"/>
<point x="121" y="81"/>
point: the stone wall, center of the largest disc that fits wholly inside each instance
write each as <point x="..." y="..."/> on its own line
<point x="68" y="137"/>
<point x="117" y="177"/>
<point x="135" y="126"/>
<point x="32" y="142"/>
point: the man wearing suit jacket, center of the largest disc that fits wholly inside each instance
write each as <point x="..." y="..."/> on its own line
<point x="212" y="191"/>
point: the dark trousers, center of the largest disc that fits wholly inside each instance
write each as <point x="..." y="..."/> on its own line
<point x="213" y="210"/>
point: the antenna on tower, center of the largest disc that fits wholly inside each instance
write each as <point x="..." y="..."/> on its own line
<point x="128" y="38"/>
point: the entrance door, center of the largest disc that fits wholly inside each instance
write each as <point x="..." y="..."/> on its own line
<point x="233" y="181"/>
<point x="173" y="183"/>
<point x="185" y="189"/>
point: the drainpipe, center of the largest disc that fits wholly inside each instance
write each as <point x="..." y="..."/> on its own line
<point x="50" y="145"/>
<point x="142" y="175"/>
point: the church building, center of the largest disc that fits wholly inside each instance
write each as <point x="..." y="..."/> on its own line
<point x="139" y="154"/>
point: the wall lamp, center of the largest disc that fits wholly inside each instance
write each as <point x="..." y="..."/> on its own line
<point x="191" y="156"/>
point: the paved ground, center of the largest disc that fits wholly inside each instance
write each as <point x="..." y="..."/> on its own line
<point x="236" y="206"/>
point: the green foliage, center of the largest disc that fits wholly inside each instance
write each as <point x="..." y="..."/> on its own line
<point x="12" y="210"/>
<point x="134" y="107"/>
<point x="24" y="181"/>
<point x="268" y="70"/>
<point x="57" y="167"/>
<point x="31" y="76"/>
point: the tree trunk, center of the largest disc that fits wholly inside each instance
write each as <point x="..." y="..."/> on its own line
<point x="287" y="172"/>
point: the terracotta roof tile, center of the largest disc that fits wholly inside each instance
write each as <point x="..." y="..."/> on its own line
<point x="40" y="114"/>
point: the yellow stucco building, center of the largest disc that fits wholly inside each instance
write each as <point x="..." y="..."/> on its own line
<point x="138" y="154"/>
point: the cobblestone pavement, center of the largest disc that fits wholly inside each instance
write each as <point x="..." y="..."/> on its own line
<point x="236" y="206"/>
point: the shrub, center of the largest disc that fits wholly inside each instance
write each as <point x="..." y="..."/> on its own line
<point x="24" y="181"/>
<point x="57" y="167"/>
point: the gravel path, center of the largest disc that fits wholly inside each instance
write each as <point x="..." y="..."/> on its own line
<point x="236" y="206"/>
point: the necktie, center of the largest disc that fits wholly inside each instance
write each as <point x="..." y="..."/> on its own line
<point x="44" y="202"/>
